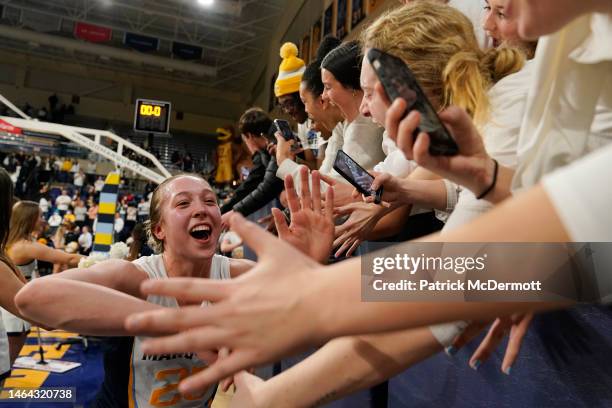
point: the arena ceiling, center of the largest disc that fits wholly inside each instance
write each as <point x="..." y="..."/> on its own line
<point x="235" y="35"/>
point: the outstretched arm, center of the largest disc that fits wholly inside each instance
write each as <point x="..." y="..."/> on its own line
<point x="92" y="301"/>
<point x="314" y="303"/>
<point x="42" y="252"/>
<point x="341" y="367"/>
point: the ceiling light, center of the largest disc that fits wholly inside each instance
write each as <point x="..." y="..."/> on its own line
<point x="206" y="3"/>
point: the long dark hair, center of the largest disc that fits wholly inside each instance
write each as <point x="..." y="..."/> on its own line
<point x="344" y="62"/>
<point x="6" y="209"/>
<point x="312" y="74"/>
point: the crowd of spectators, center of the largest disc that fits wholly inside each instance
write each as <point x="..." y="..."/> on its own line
<point x="68" y="197"/>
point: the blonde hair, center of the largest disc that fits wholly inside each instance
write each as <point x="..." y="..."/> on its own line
<point x="438" y="43"/>
<point x="155" y="211"/>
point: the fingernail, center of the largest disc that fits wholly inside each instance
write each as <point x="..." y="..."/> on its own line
<point x="476" y="364"/>
<point x="508" y="370"/>
<point x="450" y="350"/>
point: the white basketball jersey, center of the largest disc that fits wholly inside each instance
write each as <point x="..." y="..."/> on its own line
<point x="154" y="379"/>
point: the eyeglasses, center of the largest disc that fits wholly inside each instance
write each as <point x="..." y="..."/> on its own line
<point x="288" y="104"/>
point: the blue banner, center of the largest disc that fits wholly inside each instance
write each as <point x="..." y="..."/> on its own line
<point x="186" y="51"/>
<point x="141" y="42"/>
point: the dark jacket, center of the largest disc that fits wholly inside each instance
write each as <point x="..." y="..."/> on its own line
<point x="270" y="187"/>
<point x="255" y="177"/>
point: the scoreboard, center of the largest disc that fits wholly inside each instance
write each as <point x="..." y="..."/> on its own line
<point x="152" y="116"/>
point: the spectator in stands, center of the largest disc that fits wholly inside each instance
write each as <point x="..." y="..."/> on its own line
<point x="54" y="221"/>
<point x="85" y="241"/>
<point x="79" y="180"/>
<point x="176" y="159"/>
<point x="62" y="202"/>
<point x="69" y="217"/>
<point x="188" y="163"/>
<point x="260" y="158"/>
<point x="230" y="244"/>
<point x="92" y="214"/>
<point x="138" y="244"/>
<point x="118" y="227"/>
<point x="99" y="184"/>
<point x="255" y="126"/>
<point x="286" y="90"/>
<point x="80" y="212"/>
<point x="71" y="233"/>
<point x="131" y="217"/>
<point x="43" y="203"/>
<point x="143" y="210"/>
<point x="149" y="188"/>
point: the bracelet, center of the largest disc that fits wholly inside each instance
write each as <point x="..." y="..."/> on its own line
<point x="492" y="185"/>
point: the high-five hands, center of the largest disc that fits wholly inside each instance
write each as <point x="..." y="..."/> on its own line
<point x="312" y="227"/>
<point x="260" y="316"/>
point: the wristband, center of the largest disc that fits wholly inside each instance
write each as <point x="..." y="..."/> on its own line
<point x="492" y="185"/>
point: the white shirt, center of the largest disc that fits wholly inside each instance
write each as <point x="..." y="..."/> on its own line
<point x="85" y="240"/>
<point x="334" y="143"/>
<point x="508" y="101"/>
<point x="308" y="137"/>
<point x="43" y="204"/>
<point x="62" y="202"/>
<point x="361" y="140"/>
<point x="119" y="223"/>
<point x="582" y="194"/>
<point x="80" y="213"/>
<point x="569" y="110"/>
<point x="78" y="179"/>
<point x="131" y="214"/>
<point x="143" y="208"/>
<point x="395" y="163"/>
<point x="55" y="220"/>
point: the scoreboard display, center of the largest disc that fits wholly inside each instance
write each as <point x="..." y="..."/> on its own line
<point x="152" y="116"/>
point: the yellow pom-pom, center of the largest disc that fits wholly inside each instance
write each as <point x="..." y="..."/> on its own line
<point x="288" y="49"/>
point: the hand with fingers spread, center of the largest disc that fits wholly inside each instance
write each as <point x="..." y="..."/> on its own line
<point x="245" y="311"/>
<point x="472" y="168"/>
<point x="515" y="326"/>
<point x="312" y="228"/>
<point x="362" y="220"/>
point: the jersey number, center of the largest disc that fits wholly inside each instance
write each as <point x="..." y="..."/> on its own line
<point x="168" y="395"/>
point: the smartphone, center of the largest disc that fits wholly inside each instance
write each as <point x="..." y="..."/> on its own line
<point x="284" y="128"/>
<point x="356" y="175"/>
<point x="399" y="81"/>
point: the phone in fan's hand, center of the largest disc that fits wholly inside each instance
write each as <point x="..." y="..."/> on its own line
<point x="356" y="175"/>
<point x="399" y="81"/>
<point x="284" y="128"/>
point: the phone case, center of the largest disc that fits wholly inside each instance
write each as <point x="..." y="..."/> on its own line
<point x="399" y="81"/>
<point x="284" y="128"/>
<point x="350" y="169"/>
